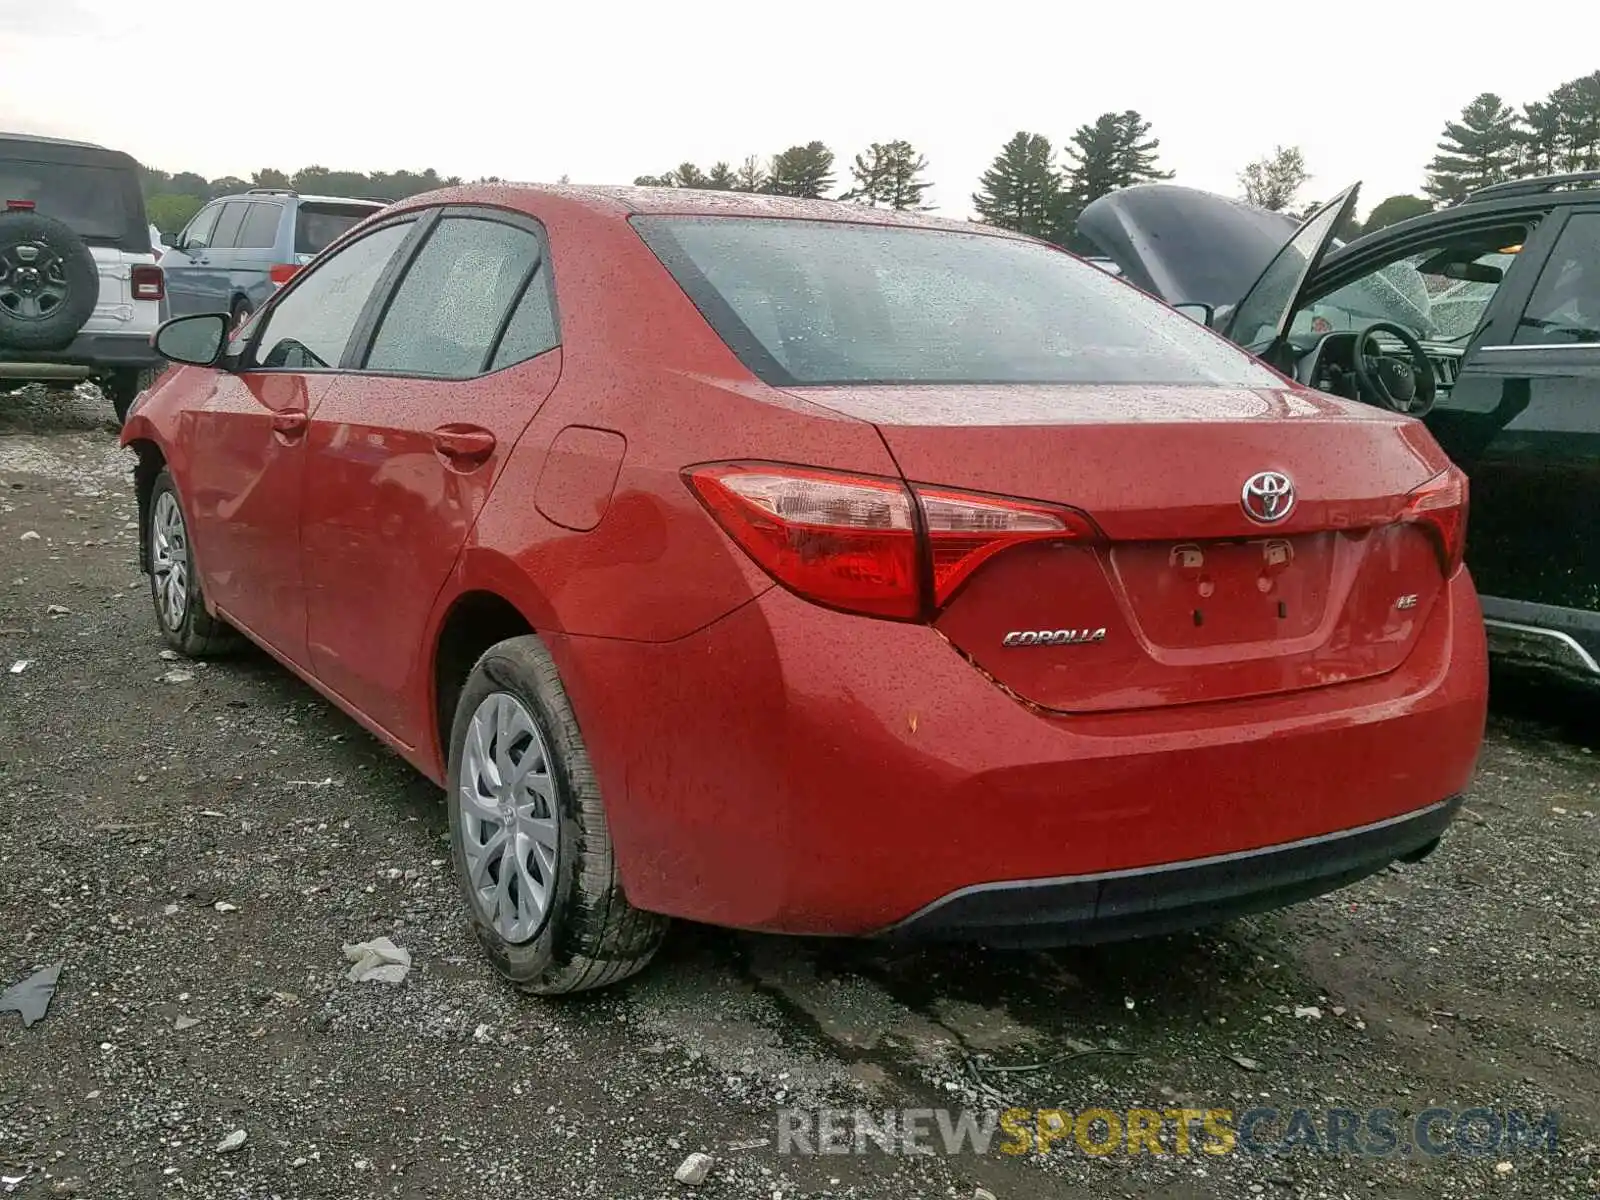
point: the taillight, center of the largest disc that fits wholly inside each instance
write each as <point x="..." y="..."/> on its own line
<point x="20" y="206"/>
<point x="867" y="544"/>
<point x="1440" y="507"/>
<point x="281" y="273"/>
<point x="148" y="282"/>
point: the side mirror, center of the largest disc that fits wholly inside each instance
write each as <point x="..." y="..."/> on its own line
<point x="1202" y="314"/>
<point x="195" y="341"/>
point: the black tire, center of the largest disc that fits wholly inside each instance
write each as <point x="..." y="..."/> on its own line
<point x="590" y="936"/>
<point x="123" y="388"/>
<point x="195" y="633"/>
<point x="49" y="283"/>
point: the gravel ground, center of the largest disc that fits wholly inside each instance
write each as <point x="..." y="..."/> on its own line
<point x="196" y="843"/>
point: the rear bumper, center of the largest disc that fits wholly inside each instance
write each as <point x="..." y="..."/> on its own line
<point x="88" y="354"/>
<point x="1544" y="637"/>
<point x="798" y="770"/>
<point x="1118" y="905"/>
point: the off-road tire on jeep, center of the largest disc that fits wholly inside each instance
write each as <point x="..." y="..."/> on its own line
<point x="196" y="633"/>
<point x="590" y="935"/>
<point x="122" y="388"/>
<point x="49" y="283"/>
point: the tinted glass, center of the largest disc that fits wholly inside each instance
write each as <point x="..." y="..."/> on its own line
<point x="318" y="226"/>
<point x="1564" y="309"/>
<point x="1434" y="307"/>
<point x="228" y="224"/>
<point x="311" y="326"/>
<point x="445" y="315"/>
<point x="532" y="329"/>
<point x="260" y="228"/>
<point x="93" y="201"/>
<point x="812" y="302"/>
<point x="1260" y="312"/>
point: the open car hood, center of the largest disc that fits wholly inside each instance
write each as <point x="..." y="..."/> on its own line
<point x="1184" y="245"/>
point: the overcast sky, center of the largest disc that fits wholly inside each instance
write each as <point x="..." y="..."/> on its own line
<point x="607" y="91"/>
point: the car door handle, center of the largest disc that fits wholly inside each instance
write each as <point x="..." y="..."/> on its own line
<point x="290" y="423"/>
<point x="464" y="445"/>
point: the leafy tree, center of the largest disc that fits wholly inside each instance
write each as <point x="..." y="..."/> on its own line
<point x="1393" y="210"/>
<point x="751" y="176"/>
<point x="269" y="177"/>
<point x="887" y="175"/>
<point x="721" y="178"/>
<point x="187" y="183"/>
<point x="1346" y="231"/>
<point x="654" y="180"/>
<point x="805" y="171"/>
<point x="1478" y="150"/>
<point x="228" y="185"/>
<point x="1022" y="189"/>
<point x="170" y="212"/>
<point x="1272" y="181"/>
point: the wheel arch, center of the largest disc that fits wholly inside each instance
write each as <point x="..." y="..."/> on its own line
<point x="149" y="464"/>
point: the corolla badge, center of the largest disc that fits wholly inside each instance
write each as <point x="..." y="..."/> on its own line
<point x="1052" y="637"/>
<point x="1267" y="497"/>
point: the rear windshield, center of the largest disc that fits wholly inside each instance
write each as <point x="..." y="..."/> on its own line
<point x="93" y="201"/>
<point x="320" y="225"/>
<point x="819" y="302"/>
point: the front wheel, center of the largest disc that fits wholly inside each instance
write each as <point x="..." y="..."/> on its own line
<point x="174" y="584"/>
<point x="529" y="836"/>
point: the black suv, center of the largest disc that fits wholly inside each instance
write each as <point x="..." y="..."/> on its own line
<point x="80" y="291"/>
<point x="1482" y="318"/>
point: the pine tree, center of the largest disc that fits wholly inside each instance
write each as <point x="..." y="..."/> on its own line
<point x="751" y="176"/>
<point x="1478" y="150"/>
<point x="1271" y="182"/>
<point x="1577" y="104"/>
<point x="1021" y="190"/>
<point x="886" y="175"/>
<point x="1541" y="139"/>
<point x="804" y="171"/>
<point x="721" y="178"/>
<point x="1117" y="151"/>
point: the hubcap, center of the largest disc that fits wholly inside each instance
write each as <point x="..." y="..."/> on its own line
<point x="169" y="561"/>
<point x="508" y="824"/>
<point x="33" y="281"/>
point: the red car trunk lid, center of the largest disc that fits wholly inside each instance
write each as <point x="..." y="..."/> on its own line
<point x="1187" y="598"/>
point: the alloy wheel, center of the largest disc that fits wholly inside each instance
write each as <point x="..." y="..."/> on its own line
<point x="169" y="561"/>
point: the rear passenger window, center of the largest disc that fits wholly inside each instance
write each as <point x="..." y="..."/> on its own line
<point x="1564" y="309"/>
<point x="260" y="228"/>
<point x="445" y="315"/>
<point x="532" y="329"/>
<point x="228" y="224"/>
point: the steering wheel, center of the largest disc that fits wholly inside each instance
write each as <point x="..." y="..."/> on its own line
<point x="1390" y="382"/>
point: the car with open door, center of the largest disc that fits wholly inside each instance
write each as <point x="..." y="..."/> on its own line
<point x="1482" y="319"/>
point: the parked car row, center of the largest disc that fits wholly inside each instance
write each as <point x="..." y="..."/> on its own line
<point x="85" y="279"/>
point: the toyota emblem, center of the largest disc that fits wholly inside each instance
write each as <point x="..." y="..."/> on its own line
<point x="1268" y="497"/>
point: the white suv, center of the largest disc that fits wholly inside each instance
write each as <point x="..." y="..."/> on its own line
<point x="80" y="291"/>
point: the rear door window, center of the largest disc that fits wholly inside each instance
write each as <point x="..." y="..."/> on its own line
<point x="228" y="225"/>
<point x="260" y="228"/>
<point x="318" y="225"/>
<point x="448" y="311"/>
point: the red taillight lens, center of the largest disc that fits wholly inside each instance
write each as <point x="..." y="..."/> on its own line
<point x="865" y="544"/>
<point x="148" y="283"/>
<point x="281" y="273"/>
<point x="1440" y="507"/>
<point x="19" y="206"/>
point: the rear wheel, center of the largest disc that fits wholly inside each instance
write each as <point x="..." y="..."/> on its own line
<point x="529" y="836"/>
<point x="175" y="585"/>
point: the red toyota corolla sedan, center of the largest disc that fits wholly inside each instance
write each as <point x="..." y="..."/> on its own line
<point x="803" y="567"/>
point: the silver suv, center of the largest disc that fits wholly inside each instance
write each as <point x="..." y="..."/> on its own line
<point x="239" y="250"/>
<point x="80" y="291"/>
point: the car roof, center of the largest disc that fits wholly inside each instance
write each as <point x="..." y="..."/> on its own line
<point x="690" y="202"/>
<point x="286" y="194"/>
<point x="48" y="141"/>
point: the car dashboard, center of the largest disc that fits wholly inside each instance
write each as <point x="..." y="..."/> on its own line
<point x="1329" y="365"/>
